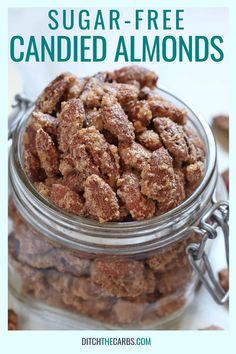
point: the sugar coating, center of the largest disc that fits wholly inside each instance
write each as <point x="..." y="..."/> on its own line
<point x="52" y="94"/>
<point x="71" y="119"/>
<point x="144" y="76"/>
<point x="101" y="202"/>
<point x="138" y="205"/>
<point x="112" y="125"/>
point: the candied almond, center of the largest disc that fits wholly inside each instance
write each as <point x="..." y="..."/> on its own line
<point x="74" y="181"/>
<point x="89" y="308"/>
<point x="68" y="262"/>
<point x="171" y="280"/>
<point x="173" y="138"/>
<point x="161" y="260"/>
<point x="93" y="90"/>
<point x="195" y="172"/>
<point x="119" y="277"/>
<point x="124" y="93"/>
<point x="75" y="90"/>
<point x="82" y="160"/>
<point x="225" y="176"/>
<point x="128" y="312"/>
<point x="145" y="93"/>
<point x="91" y="152"/>
<point x="110" y="138"/>
<point x="71" y="119"/>
<point x="47" y="153"/>
<point x="44" y="190"/>
<point x="211" y="328"/>
<point x="66" y="165"/>
<point x="150" y="140"/>
<point x="195" y="146"/>
<point x="45" y="121"/>
<point x="58" y="281"/>
<point x="139" y="206"/>
<point x="123" y="211"/>
<point x="35" y="258"/>
<point x="162" y="108"/>
<point x="221" y="122"/>
<point x="133" y="83"/>
<point x="157" y="177"/>
<point x="134" y="72"/>
<point x="32" y="167"/>
<point x="93" y="117"/>
<point x="134" y="155"/>
<point x="178" y="195"/>
<point x="65" y="198"/>
<point x="140" y="114"/>
<point x="224" y="279"/>
<point x="115" y="120"/>
<point x="106" y="125"/>
<point x="84" y="288"/>
<point x="100" y="201"/>
<point x="169" y="303"/>
<point x="52" y="94"/>
<point x="39" y="120"/>
<point x="49" y="181"/>
<point x="12" y="320"/>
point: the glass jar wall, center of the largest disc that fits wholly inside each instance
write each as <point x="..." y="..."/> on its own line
<point x="112" y="275"/>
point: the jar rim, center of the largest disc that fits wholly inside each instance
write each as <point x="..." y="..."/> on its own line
<point x="107" y="230"/>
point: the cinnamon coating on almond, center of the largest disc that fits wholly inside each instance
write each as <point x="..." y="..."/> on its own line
<point x="47" y="153"/>
<point x="83" y="162"/>
<point x="140" y="114"/>
<point x="121" y="278"/>
<point x="43" y="189"/>
<point x="93" y="91"/>
<point x="195" y="172"/>
<point x="71" y="119"/>
<point x="115" y="120"/>
<point x="93" y="155"/>
<point x="178" y="195"/>
<point x="139" y="206"/>
<point x="124" y="93"/>
<point x="39" y="120"/>
<point x="149" y="139"/>
<point x="137" y="73"/>
<point x="134" y="155"/>
<point x="75" y="181"/>
<point x="195" y="146"/>
<point x="100" y="201"/>
<point x="66" y="165"/>
<point x="157" y="177"/>
<point x="163" y="108"/>
<point x="33" y="167"/>
<point x="66" y="199"/>
<point x="110" y="125"/>
<point x="173" y="138"/>
<point x="52" y="94"/>
<point x="75" y="90"/>
<point x="93" y="117"/>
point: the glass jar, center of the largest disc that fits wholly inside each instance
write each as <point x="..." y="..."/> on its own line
<point x="140" y="274"/>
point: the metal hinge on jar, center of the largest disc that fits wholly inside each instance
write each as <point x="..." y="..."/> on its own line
<point x="20" y="106"/>
<point x="216" y="218"/>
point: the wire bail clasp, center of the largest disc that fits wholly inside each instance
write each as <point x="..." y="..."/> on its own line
<point x="20" y="106"/>
<point x="216" y="217"/>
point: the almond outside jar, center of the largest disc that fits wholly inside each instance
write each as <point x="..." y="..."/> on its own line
<point x="114" y="275"/>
